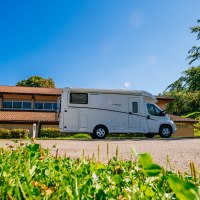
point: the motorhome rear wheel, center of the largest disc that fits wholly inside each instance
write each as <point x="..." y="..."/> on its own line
<point x="99" y="132"/>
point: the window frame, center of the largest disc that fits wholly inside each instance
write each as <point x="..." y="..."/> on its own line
<point x="12" y="105"/>
<point x="43" y="106"/>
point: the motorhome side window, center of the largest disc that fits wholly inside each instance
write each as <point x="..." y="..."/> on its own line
<point x="78" y="98"/>
<point x="135" y="107"/>
<point x="153" y="110"/>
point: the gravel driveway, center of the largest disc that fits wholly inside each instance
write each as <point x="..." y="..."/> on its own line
<point x="180" y="151"/>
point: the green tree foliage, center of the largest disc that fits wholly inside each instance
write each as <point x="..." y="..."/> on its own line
<point x="185" y="102"/>
<point x="194" y="52"/>
<point x="188" y="82"/>
<point x="37" y="81"/>
<point x="186" y="89"/>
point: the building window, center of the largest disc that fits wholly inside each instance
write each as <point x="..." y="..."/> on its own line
<point x="7" y="104"/>
<point x="45" y="106"/>
<point x="39" y="106"/>
<point x="79" y="98"/>
<point x="17" y="105"/>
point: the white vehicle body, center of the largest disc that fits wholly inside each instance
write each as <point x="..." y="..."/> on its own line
<point x="117" y="111"/>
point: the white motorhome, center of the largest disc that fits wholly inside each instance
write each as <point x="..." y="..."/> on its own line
<point x="101" y="112"/>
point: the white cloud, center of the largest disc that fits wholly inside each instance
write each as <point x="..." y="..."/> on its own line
<point x="127" y="84"/>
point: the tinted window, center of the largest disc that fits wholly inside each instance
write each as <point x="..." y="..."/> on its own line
<point x="26" y="105"/>
<point x="17" y="105"/>
<point x="7" y="104"/>
<point x="150" y="108"/>
<point x="23" y="105"/>
<point x="54" y="106"/>
<point x="79" y="98"/>
<point x="38" y="106"/>
<point x="153" y="110"/>
<point x="135" y="107"/>
<point x="47" y="106"/>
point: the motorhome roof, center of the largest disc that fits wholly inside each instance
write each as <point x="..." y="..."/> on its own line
<point x="112" y="91"/>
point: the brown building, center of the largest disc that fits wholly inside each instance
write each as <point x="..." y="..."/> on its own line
<point x="21" y="107"/>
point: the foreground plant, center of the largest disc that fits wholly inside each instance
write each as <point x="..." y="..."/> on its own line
<point x="31" y="172"/>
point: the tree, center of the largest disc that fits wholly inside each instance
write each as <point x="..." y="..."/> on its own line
<point x="186" y="89"/>
<point x="37" y="81"/>
<point x="185" y="102"/>
<point x="189" y="82"/>
<point x="194" y="52"/>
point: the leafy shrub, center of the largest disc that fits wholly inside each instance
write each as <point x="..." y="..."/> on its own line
<point x="13" y="133"/>
<point x="50" y="133"/>
<point x="31" y="172"/>
<point x="19" y="133"/>
<point x="5" y="133"/>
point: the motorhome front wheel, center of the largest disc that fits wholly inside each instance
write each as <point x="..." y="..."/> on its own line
<point x="165" y="131"/>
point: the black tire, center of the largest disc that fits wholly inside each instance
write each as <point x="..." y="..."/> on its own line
<point x="99" y="132"/>
<point x="149" y="135"/>
<point x="165" y="131"/>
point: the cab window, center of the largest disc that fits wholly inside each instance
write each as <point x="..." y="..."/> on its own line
<point x="153" y="110"/>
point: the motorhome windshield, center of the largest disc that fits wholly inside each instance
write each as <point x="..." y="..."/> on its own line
<point x="155" y="110"/>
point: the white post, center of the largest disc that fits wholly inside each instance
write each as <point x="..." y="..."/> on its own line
<point x="34" y="130"/>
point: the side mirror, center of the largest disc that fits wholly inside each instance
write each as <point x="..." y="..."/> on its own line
<point x="163" y="113"/>
<point x="148" y="117"/>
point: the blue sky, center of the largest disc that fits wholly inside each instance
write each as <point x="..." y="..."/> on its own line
<point x="133" y="44"/>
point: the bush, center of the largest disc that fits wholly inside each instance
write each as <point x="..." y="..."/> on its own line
<point x="13" y="133"/>
<point x="5" y="133"/>
<point x="50" y="132"/>
<point x="19" y="133"/>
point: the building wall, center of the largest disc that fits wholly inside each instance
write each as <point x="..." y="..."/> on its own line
<point x="184" y="129"/>
<point x="49" y="126"/>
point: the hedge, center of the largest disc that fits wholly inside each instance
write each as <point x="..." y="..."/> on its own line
<point x="14" y="133"/>
<point x="50" y="133"/>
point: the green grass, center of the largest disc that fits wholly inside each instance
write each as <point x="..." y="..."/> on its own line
<point x="31" y="172"/>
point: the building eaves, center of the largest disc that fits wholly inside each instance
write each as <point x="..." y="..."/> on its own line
<point x="27" y="116"/>
<point x="30" y="90"/>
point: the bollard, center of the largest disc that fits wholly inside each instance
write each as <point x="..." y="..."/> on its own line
<point x="34" y="130"/>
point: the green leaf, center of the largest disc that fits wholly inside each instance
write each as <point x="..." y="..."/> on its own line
<point x="152" y="169"/>
<point x="57" y="168"/>
<point x="145" y="159"/>
<point x="117" y="178"/>
<point x="184" y="190"/>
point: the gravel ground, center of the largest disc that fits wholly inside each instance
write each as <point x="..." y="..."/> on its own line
<point x="181" y="151"/>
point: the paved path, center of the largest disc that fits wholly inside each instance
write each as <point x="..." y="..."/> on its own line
<point x="180" y="151"/>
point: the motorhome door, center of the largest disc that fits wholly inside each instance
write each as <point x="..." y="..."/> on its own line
<point x="70" y="119"/>
<point x="134" y="117"/>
